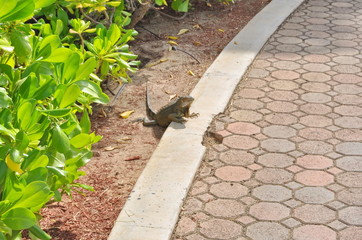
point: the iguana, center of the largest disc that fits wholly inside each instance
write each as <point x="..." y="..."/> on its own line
<point x="175" y="111"/>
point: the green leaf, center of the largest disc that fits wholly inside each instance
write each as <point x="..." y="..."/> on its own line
<point x="23" y="9"/>
<point x="71" y="94"/>
<point x="43" y="3"/>
<point x="6" y="46"/>
<point x="24" y="116"/>
<point x="70" y="67"/>
<point x="34" y="194"/>
<point x="113" y="34"/>
<point x="21" y="141"/>
<point x="21" y="45"/>
<point x="19" y="218"/>
<point x="59" y="55"/>
<point x="39" y="233"/>
<point x="94" y="90"/>
<point x="5" y="100"/>
<point x="86" y="69"/>
<point x="85" y="122"/>
<point x="81" y="140"/>
<point x="60" y="140"/>
<point x="45" y="90"/>
<point x="41" y="161"/>
<point x="2" y="237"/>
<point x="56" y="112"/>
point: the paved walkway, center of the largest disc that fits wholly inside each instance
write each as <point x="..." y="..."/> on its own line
<point x="290" y="163"/>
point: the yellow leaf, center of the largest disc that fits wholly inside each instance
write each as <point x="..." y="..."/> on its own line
<point x="164" y="2"/>
<point x="191" y="73"/>
<point x="172" y="43"/>
<point x="197" y="26"/>
<point x="208" y="4"/>
<point x="100" y="8"/>
<point x="182" y="31"/>
<point x="13" y="165"/>
<point x="196" y="43"/>
<point x="126" y="114"/>
<point x="221" y="30"/>
<point x="172" y="37"/>
<point x="163" y="60"/>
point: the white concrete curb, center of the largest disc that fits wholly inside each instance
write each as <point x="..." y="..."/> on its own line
<point x="152" y="210"/>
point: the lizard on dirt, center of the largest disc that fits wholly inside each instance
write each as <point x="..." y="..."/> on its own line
<point x="175" y="111"/>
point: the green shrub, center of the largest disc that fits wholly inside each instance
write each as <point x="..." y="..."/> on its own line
<point x="50" y="74"/>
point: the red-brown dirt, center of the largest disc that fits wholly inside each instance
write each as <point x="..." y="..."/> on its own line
<point x="121" y="155"/>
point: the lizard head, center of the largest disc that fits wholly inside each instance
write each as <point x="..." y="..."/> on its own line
<point x="186" y="101"/>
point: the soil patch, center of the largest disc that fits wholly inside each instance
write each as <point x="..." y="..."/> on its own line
<point x="121" y="155"/>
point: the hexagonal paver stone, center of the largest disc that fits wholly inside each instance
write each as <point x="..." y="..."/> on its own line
<point x="246" y="115"/>
<point x="351" y="196"/>
<point x="315" y="147"/>
<point x="272" y="193"/>
<point x="282" y="107"/>
<point x="228" y="190"/>
<point x="273" y="176"/>
<point x="314" y="213"/>
<point x="315" y="232"/>
<point x="314" y="195"/>
<point x="349" y="135"/>
<point x="220" y="229"/>
<point x="277" y="145"/>
<point x="233" y="173"/>
<point x="269" y="211"/>
<point x="315" y="121"/>
<point x="185" y="226"/>
<point x="351" y="215"/>
<point x="277" y="131"/>
<point x="349" y="122"/>
<point x="225" y="208"/>
<point x="240" y="142"/>
<point x="237" y="157"/>
<point x="350" y="148"/>
<point x="267" y="231"/>
<point x="279" y="160"/>
<point x="350" y="163"/>
<point x="314" y="162"/>
<point x="350" y="179"/>
<point x="243" y="128"/>
<point x="351" y="233"/>
<point x="316" y="97"/>
<point x="314" y="178"/>
<point x="315" y="133"/>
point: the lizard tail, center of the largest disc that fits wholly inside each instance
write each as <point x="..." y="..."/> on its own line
<point x="150" y="112"/>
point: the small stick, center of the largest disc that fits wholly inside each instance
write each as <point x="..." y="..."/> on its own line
<point x="133" y="158"/>
<point x="177" y="49"/>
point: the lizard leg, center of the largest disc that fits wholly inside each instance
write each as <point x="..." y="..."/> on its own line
<point x="174" y="117"/>
<point x="148" y="122"/>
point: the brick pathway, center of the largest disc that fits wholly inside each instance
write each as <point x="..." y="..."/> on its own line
<point x="290" y="163"/>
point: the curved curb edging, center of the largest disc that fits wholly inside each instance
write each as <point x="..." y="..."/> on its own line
<point x="152" y="210"/>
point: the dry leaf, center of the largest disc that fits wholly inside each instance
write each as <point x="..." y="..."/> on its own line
<point x="126" y="114"/>
<point x="208" y="4"/>
<point x="172" y="97"/>
<point x="182" y="31"/>
<point x="235" y="42"/>
<point x="172" y="43"/>
<point x="191" y="73"/>
<point x="109" y="148"/>
<point x="221" y="30"/>
<point x="163" y="60"/>
<point x="172" y="37"/>
<point x="196" y="43"/>
<point x="197" y="26"/>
